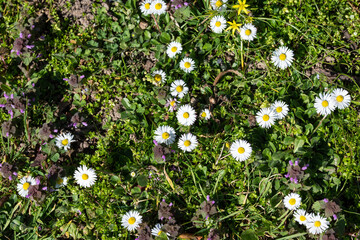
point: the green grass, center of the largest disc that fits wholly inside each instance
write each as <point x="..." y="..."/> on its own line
<point x="122" y="108"/>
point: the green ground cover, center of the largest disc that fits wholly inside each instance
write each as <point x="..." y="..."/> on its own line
<point x="87" y="69"/>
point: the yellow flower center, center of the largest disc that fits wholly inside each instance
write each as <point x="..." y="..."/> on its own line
<point x="159" y="233"/>
<point x="173" y="49"/>
<point x="158" y="6"/>
<point x="85" y="176"/>
<point x="247" y="32"/>
<point x="218" y="24"/>
<point x="186" y="115"/>
<point x="282" y="57"/>
<point x="279" y="109"/>
<point x="26" y="186"/>
<point x="325" y="103"/>
<point x="147" y="6"/>
<point x="172" y="103"/>
<point x="218" y="3"/>
<point x="317" y="224"/>
<point x="59" y="181"/>
<point x="65" y="142"/>
<point x="339" y="98"/>
<point x="131" y="220"/>
<point x="187" y="143"/>
<point x="241" y="150"/>
<point x="165" y="135"/>
<point x="158" y="77"/>
<point x="179" y="88"/>
<point x="292" y="201"/>
<point x="203" y="114"/>
<point x="187" y="64"/>
<point x="266" y="117"/>
<point x="302" y="218"/>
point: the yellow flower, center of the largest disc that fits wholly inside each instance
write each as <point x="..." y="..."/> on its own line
<point x="233" y="26"/>
<point x="241" y="7"/>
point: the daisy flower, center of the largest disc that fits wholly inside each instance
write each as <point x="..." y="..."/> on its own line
<point x="165" y="134"/>
<point x="218" y="4"/>
<point x="341" y="98"/>
<point x="23" y="186"/>
<point x="64" y="140"/>
<point x="301" y="216"/>
<point x="292" y="201"/>
<point x="131" y="220"/>
<point x="187" y="142"/>
<point x="84" y="176"/>
<point x="282" y="57"/>
<point x="205" y="114"/>
<point x="280" y="109"/>
<point x="158" y="7"/>
<point x="145" y="7"/>
<point x="172" y="104"/>
<point x="186" y="115"/>
<point x="240" y="150"/>
<point x="178" y="88"/>
<point x="218" y="24"/>
<point x="173" y="49"/>
<point x="60" y="182"/>
<point x="159" y="76"/>
<point x="248" y="32"/>
<point x="156" y="231"/>
<point x="317" y="224"/>
<point x="187" y="64"/>
<point x="324" y="104"/>
<point x="265" y="118"/>
<point x="132" y="174"/>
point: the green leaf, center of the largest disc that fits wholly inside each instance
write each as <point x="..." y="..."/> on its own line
<point x="55" y="157"/>
<point x="142" y="180"/>
<point x="249" y="235"/>
<point x="126" y="103"/>
<point x="288" y="140"/>
<point x="147" y="35"/>
<point x="165" y="37"/>
<point x="298" y="144"/>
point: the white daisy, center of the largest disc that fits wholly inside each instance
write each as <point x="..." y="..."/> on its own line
<point x="84" y="176"/>
<point x="156" y="231"/>
<point x="218" y="4"/>
<point x="292" y="201"/>
<point x="173" y="49"/>
<point x="248" y="32"/>
<point x="265" y="118"/>
<point x="240" y="150"/>
<point x="282" y="57"/>
<point x="178" y="88"/>
<point x="60" y="182"/>
<point x="165" y="134"/>
<point x="301" y="216"/>
<point x="317" y="224"/>
<point x="158" y="7"/>
<point x="341" y="98"/>
<point x="324" y="104"/>
<point x="280" y="109"/>
<point x="205" y="114"/>
<point x="187" y="64"/>
<point x="187" y="142"/>
<point x="218" y="24"/>
<point x="23" y="186"/>
<point x="186" y="115"/>
<point x="145" y="7"/>
<point x="131" y="220"/>
<point x="172" y="104"/>
<point x="132" y="174"/>
<point x="64" y="140"/>
<point x="159" y="76"/>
